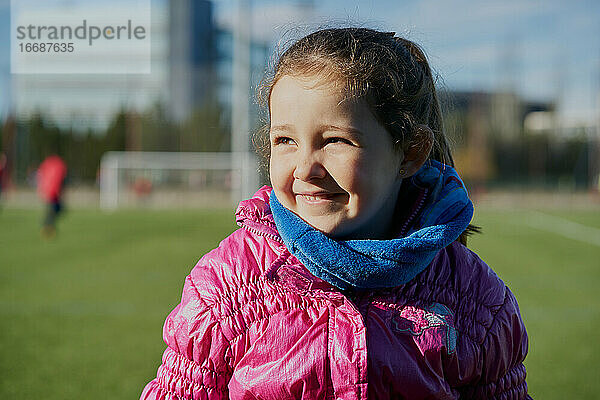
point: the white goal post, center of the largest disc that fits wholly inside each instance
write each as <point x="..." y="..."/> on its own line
<point x="176" y="179"/>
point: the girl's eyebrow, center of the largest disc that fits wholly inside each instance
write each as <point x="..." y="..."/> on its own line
<point x="283" y="127"/>
<point x="322" y="128"/>
<point x="347" y="129"/>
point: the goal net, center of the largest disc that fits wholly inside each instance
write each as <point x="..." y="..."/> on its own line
<point x="176" y="179"/>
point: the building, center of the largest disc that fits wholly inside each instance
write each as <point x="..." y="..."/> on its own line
<point x="90" y="101"/>
<point x="192" y="56"/>
<point x="488" y="133"/>
<point x="190" y="66"/>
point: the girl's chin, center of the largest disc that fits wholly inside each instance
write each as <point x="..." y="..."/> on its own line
<point x="332" y="228"/>
<point x="346" y="230"/>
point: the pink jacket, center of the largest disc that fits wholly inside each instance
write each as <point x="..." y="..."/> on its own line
<point x="253" y="323"/>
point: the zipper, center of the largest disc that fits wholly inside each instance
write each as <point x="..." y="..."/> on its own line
<point x="352" y="296"/>
<point x="416" y="210"/>
<point x="280" y="260"/>
<point x="359" y="300"/>
<point x="261" y="233"/>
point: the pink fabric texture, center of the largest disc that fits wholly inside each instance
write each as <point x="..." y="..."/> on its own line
<point x="253" y="323"/>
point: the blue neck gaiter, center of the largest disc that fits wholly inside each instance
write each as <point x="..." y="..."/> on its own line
<point x="370" y="264"/>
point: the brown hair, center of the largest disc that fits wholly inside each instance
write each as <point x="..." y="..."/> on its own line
<point x="391" y="73"/>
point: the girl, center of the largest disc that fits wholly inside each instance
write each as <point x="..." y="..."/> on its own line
<point x="350" y="278"/>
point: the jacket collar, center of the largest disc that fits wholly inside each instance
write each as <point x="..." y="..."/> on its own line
<point x="370" y="264"/>
<point x="446" y="213"/>
<point x="255" y="213"/>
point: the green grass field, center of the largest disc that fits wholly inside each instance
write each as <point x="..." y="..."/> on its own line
<point x="82" y="314"/>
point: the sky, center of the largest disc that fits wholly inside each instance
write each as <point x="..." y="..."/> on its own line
<point x="545" y="50"/>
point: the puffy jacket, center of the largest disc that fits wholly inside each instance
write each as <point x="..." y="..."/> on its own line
<point x="253" y="323"/>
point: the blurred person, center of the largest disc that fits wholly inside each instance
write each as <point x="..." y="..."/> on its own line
<point x="3" y="166"/>
<point x="51" y="176"/>
<point x="142" y="187"/>
<point x="349" y="278"/>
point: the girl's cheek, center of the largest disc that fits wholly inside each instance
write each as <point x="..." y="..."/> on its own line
<point x="354" y="173"/>
<point x="281" y="173"/>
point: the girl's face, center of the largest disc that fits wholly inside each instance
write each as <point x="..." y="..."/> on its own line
<point x="332" y="163"/>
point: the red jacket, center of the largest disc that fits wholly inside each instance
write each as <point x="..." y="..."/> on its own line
<point x="253" y="323"/>
<point x="50" y="178"/>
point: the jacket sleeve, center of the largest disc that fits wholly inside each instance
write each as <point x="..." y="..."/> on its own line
<point x="501" y="357"/>
<point x="194" y="365"/>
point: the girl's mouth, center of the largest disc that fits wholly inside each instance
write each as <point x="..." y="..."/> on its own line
<point x="317" y="198"/>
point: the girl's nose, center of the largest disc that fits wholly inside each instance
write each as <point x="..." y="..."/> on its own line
<point x="309" y="167"/>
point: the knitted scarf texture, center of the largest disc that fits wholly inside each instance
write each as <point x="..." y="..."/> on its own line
<point x="370" y="264"/>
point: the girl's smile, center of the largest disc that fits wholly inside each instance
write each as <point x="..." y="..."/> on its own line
<point x="332" y="163"/>
<point x="324" y="199"/>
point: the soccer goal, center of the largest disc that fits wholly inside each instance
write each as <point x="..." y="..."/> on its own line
<point x="176" y="179"/>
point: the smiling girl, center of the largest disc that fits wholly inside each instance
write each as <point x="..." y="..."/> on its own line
<point x="331" y="159"/>
<point x="349" y="278"/>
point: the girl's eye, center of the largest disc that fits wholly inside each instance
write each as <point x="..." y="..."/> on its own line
<point x="337" y="140"/>
<point x="283" y="140"/>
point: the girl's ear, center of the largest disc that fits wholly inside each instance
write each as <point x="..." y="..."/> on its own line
<point x="417" y="152"/>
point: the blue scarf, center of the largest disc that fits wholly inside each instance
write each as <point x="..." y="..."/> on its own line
<point x="369" y="264"/>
